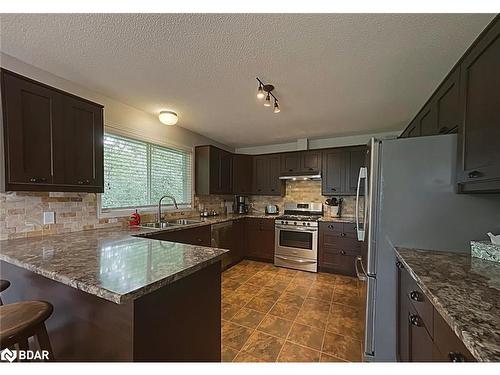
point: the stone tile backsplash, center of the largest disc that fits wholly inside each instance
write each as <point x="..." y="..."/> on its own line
<point x="21" y="213"/>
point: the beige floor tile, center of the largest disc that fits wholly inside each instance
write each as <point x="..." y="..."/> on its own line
<point x="316" y="305"/>
<point x="275" y="326"/>
<point x="230" y="284"/>
<point x="321" y="291"/>
<point x="270" y="293"/>
<point x="277" y="284"/>
<point x="228" y="354"/>
<point x="228" y="310"/>
<point x="294" y="353"/>
<point x="259" y="279"/>
<point x="245" y="357"/>
<point x="248" y="317"/>
<point x="234" y="336"/>
<point x="342" y="347"/>
<point x="263" y="346"/>
<point x="249" y="288"/>
<point x="346" y="297"/>
<point x="329" y="358"/>
<point x="284" y="310"/>
<point x="291" y="299"/>
<point x="313" y="318"/>
<point x="306" y="336"/>
<point x="297" y="289"/>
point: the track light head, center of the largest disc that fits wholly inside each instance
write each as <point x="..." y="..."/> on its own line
<point x="267" y="103"/>
<point x="260" y="92"/>
<point x="276" y="107"/>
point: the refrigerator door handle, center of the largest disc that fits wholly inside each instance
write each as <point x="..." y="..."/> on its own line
<point x="361" y="275"/>
<point x="360" y="231"/>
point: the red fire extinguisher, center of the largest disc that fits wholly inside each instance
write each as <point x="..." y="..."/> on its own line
<point x="134" y="219"/>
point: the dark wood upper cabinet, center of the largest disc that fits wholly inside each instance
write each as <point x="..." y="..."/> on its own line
<point x="446" y="102"/>
<point x="341" y="169"/>
<point x="213" y="170"/>
<point x="479" y="132"/>
<point x="294" y="163"/>
<point x="78" y="145"/>
<point x="52" y="139"/>
<point x="242" y="174"/>
<point x="266" y="172"/>
<point x="333" y="176"/>
<point x="426" y="121"/>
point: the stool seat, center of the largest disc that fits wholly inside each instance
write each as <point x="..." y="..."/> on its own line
<point x="4" y="284"/>
<point x="21" y="320"/>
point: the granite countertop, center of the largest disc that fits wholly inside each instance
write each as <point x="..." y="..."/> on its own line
<point x="108" y="263"/>
<point x="465" y="291"/>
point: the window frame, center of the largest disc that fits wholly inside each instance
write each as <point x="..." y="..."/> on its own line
<point x="166" y="206"/>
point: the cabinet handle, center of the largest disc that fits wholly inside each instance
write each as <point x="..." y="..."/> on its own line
<point x="456" y="357"/>
<point x="342" y="234"/>
<point x="414" y="295"/>
<point x="444" y="130"/>
<point x="415" y="320"/>
<point x="272" y="189"/>
<point x="333" y="189"/>
<point x="199" y="240"/>
<point x="399" y="265"/>
<point x="475" y="174"/>
<point x="342" y="252"/>
<point x="330" y="226"/>
<point x="290" y="170"/>
<point x="38" y="179"/>
<point x="311" y="169"/>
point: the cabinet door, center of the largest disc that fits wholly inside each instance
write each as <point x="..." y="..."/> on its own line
<point x="30" y="113"/>
<point x="242" y="174"/>
<point x="420" y="342"/>
<point x="290" y="163"/>
<point x="215" y="170"/>
<point x="446" y="105"/>
<point x="479" y="135"/>
<point x="355" y="159"/>
<point x="403" y="341"/>
<point x="260" y="175"/>
<point x="78" y="145"/>
<point x="226" y="172"/>
<point x="333" y="179"/>
<point x="426" y="121"/>
<point x="310" y="161"/>
<point x="274" y="182"/>
<point x="194" y="236"/>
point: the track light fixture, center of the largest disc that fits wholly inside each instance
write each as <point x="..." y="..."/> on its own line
<point x="265" y="91"/>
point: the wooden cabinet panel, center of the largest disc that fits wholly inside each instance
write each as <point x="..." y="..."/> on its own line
<point x="479" y="133"/>
<point x="213" y="170"/>
<point x="192" y="236"/>
<point x="53" y="139"/>
<point x="426" y="120"/>
<point x="30" y="112"/>
<point x="310" y="161"/>
<point x="260" y="239"/>
<point x="290" y="163"/>
<point x="333" y="176"/>
<point x="355" y="159"/>
<point x="78" y="147"/>
<point x="449" y="347"/>
<point x="266" y="175"/>
<point x="337" y="251"/>
<point x="420" y="342"/>
<point x="242" y="174"/>
<point x="446" y="102"/>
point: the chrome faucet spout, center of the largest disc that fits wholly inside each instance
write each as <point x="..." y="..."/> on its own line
<point x="159" y="205"/>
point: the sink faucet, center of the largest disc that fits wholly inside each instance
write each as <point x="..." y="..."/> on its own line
<point x="159" y="205"/>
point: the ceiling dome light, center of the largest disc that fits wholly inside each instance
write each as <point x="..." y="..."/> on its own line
<point x="168" y="117"/>
<point x="267" y="103"/>
<point x="260" y="92"/>
<point x="276" y="107"/>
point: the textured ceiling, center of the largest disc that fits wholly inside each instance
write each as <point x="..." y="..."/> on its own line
<point x="335" y="74"/>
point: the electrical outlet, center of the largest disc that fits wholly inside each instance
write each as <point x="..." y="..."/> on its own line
<point x="49" y="217"/>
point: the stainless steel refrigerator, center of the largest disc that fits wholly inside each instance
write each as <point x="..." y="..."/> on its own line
<point x="406" y="197"/>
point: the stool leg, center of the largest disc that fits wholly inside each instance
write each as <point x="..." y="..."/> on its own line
<point x="23" y="344"/>
<point x="1" y="302"/>
<point x="43" y="341"/>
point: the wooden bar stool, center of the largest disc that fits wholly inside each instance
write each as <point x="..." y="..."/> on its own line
<point x="4" y="284"/>
<point x="21" y="320"/>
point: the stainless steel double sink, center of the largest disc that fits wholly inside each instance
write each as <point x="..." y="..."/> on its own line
<point x="170" y="223"/>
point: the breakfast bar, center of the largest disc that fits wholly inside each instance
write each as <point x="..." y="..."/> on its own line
<point x="118" y="297"/>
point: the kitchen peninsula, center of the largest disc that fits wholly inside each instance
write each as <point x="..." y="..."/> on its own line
<point x="118" y="297"/>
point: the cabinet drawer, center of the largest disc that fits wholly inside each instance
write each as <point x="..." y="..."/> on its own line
<point x="332" y="227"/>
<point x="260" y="224"/>
<point x="337" y="263"/>
<point x="418" y="300"/>
<point x="449" y="347"/>
<point x="340" y="245"/>
<point x="421" y="348"/>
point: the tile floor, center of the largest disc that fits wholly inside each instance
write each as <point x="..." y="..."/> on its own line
<point x="273" y="314"/>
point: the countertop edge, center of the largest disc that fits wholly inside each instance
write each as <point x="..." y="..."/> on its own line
<point x="441" y="310"/>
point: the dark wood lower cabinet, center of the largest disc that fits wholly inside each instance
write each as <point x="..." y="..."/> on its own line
<point x="338" y="248"/>
<point x="260" y="239"/>
<point x="192" y="236"/>
<point x="422" y="334"/>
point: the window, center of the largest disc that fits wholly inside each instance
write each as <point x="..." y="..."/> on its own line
<point x="138" y="174"/>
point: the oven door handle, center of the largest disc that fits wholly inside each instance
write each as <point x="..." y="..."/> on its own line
<point x="297" y="229"/>
<point x="295" y="260"/>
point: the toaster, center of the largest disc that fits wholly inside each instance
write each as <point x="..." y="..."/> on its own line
<point x="272" y="209"/>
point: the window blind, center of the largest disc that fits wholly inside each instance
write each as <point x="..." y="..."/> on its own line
<point x="137" y="174"/>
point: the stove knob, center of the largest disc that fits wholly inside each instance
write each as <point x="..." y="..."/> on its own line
<point x="294" y="223"/>
<point x="286" y="222"/>
<point x="305" y="224"/>
<point x="308" y="224"/>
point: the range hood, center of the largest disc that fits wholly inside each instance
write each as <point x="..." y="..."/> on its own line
<point x="315" y="176"/>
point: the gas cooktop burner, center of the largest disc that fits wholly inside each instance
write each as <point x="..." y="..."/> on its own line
<point x="299" y="217"/>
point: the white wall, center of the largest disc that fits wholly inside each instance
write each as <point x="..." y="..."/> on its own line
<point x="118" y="117"/>
<point x="317" y="143"/>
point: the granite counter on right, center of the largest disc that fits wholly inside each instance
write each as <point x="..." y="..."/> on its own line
<point x="449" y="307"/>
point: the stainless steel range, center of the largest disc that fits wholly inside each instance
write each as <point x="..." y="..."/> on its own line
<point x="296" y="239"/>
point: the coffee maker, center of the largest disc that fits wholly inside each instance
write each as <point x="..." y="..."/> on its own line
<point x="241" y="204"/>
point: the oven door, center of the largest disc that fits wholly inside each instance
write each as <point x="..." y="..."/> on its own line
<point x="297" y="242"/>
